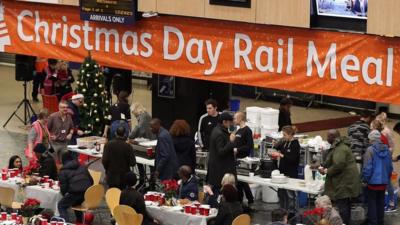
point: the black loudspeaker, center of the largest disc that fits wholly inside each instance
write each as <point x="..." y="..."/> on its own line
<point x="24" y="67"/>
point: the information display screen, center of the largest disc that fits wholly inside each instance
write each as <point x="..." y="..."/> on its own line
<point x="113" y="11"/>
<point x="343" y="8"/>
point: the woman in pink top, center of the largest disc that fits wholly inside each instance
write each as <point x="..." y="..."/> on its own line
<point x="38" y="134"/>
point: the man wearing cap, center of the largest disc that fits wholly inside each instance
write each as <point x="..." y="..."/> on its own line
<point x="47" y="165"/>
<point x="73" y="110"/>
<point x="61" y="128"/>
<point x="221" y="153"/>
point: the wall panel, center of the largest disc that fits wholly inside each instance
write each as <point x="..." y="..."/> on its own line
<point x="383" y="18"/>
<point x="147" y="5"/>
<point x="295" y="13"/>
<point x="181" y="7"/>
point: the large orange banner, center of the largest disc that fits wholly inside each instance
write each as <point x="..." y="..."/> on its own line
<point x="322" y="62"/>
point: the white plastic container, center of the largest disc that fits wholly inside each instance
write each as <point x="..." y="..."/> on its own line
<point x="253" y="114"/>
<point x="269" y="195"/>
<point x="269" y="117"/>
<point x="268" y="131"/>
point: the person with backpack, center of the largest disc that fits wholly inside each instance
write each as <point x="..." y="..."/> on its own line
<point x="74" y="181"/>
<point x="376" y="175"/>
<point x="120" y="116"/>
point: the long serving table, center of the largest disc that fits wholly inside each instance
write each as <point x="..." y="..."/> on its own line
<point x="292" y="184"/>
<point x="48" y="197"/>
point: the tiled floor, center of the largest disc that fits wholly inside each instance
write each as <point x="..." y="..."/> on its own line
<point x="13" y="138"/>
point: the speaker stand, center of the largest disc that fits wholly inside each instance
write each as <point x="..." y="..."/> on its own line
<point x="28" y="110"/>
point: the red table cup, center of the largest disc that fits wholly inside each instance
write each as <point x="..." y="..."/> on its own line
<point x="60" y="223"/>
<point x="150" y="152"/>
<point x="153" y="197"/>
<point x="161" y="200"/>
<point x="188" y="209"/>
<point x="43" y="222"/>
<point x="14" y="216"/>
<point x="50" y="181"/>
<point x="193" y="210"/>
<point x="12" y="173"/>
<point x="3" y="216"/>
<point x="4" y="175"/>
<point x="53" y="223"/>
<point x="147" y="197"/>
<point x="19" y="219"/>
<point x="207" y="210"/>
<point x="45" y="179"/>
<point x="201" y="210"/>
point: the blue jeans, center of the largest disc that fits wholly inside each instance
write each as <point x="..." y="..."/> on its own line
<point x="376" y="207"/>
<point x="390" y="191"/>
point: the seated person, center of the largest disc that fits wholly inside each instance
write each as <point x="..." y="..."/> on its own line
<point x="230" y="207"/>
<point x="330" y="214"/>
<point x="131" y="197"/>
<point x="15" y="162"/>
<point x="47" y="165"/>
<point x="279" y="217"/>
<point x="74" y="181"/>
<point x="213" y="199"/>
<point x="188" y="188"/>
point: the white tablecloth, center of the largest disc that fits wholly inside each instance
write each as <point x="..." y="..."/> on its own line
<point x="292" y="184"/>
<point x="48" y="198"/>
<point x="167" y="217"/>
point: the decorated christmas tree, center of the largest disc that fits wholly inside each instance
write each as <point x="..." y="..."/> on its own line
<point x="95" y="111"/>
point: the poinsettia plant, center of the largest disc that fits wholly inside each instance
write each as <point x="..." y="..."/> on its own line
<point x="32" y="167"/>
<point x="29" y="207"/>
<point x="170" y="188"/>
<point x="314" y="215"/>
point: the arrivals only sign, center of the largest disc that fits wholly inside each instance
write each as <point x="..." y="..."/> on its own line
<point x="321" y="62"/>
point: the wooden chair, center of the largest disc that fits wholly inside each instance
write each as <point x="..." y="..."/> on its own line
<point x="7" y="198"/>
<point x="96" y="176"/>
<point x="242" y="219"/>
<point x="126" y="215"/>
<point x="93" y="198"/>
<point x="112" y="198"/>
<point x="50" y="102"/>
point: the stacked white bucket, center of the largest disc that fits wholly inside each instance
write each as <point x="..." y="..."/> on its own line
<point x="263" y="120"/>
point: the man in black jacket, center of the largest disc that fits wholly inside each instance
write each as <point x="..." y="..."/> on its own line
<point x="131" y="197"/>
<point x="74" y="181"/>
<point x="166" y="162"/>
<point x="47" y="165"/>
<point x="221" y="153"/>
<point x="118" y="158"/>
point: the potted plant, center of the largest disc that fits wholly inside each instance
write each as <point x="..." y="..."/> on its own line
<point x="29" y="208"/>
<point x="315" y="216"/>
<point x="170" y="189"/>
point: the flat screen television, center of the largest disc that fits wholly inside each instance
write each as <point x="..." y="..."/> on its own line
<point x="357" y="9"/>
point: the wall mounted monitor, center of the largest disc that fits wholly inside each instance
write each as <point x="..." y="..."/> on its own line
<point x="343" y="8"/>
